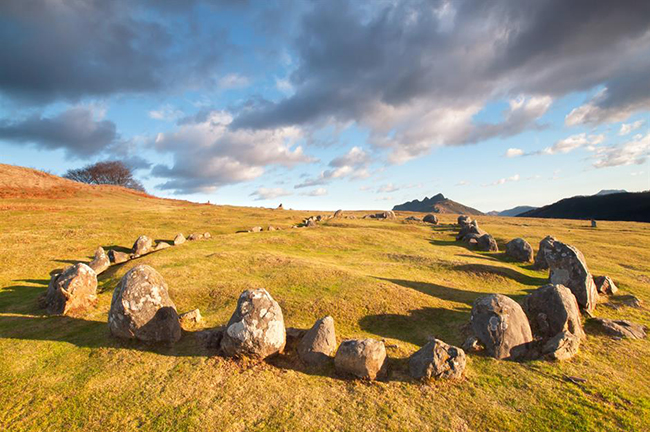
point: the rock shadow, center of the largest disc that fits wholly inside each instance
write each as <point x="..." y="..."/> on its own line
<point x="439" y="291"/>
<point x="491" y="270"/>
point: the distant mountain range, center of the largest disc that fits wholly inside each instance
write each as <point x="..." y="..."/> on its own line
<point x="436" y="204"/>
<point x="611" y="191"/>
<point x="516" y="211"/>
<point x="605" y="205"/>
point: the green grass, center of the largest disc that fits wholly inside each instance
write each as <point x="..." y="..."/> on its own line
<point x="382" y="279"/>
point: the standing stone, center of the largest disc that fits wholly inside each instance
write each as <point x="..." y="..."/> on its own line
<point x="363" y="358"/>
<point x="593" y="223"/>
<point x="501" y="326"/>
<point x="519" y="250"/>
<point x="101" y="262"/>
<point x="469" y="228"/>
<point x="545" y="246"/>
<point x="605" y="285"/>
<point x="118" y="257"/>
<point x="338" y="214"/>
<point x="161" y="245"/>
<point x="319" y="343"/>
<point x="431" y="218"/>
<point x="464" y="220"/>
<point x="553" y="309"/>
<point x="569" y="268"/>
<point x="141" y="308"/>
<point x="142" y="245"/>
<point x="72" y="292"/>
<point x="179" y="239"/>
<point x="487" y="243"/>
<point x="310" y="223"/>
<point x="437" y="360"/>
<point x="256" y="329"/>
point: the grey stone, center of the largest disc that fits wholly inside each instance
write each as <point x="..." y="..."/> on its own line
<point x="605" y="285"/>
<point x="487" y="243"/>
<point x="431" y="218"/>
<point x="179" y="239"/>
<point x="255" y="229"/>
<point x="464" y="220"/>
<point x="100" y="262"/>
<point x="117" y="257"/>
<point x="553" y="309"/>
<point x="72" y="292"/>
<point x="319" y="343"/>
<point x="519" y="250"/>
<point x="437" y="359"/>
<point x="469" y="228"/>
<point x="195" y="237"/>
<point x="142" y="309"/>
<point x="562" y="346"/>
<point x="142" y="245"/>
<point x="569" y="268"/>
<point x="362" y="358"/>
<point x="545" y="246"/>
<point x="622" y="328"/>
<point x="190" y="319"/>
<point x="161" y="245"/>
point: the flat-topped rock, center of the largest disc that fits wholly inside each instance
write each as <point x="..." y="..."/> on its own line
<point x="622" y="328"/>
<point x="361" y="358"/>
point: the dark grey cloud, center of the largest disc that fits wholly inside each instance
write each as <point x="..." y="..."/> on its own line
<point x="416" y="72"/>
<point x="75" y="130"/>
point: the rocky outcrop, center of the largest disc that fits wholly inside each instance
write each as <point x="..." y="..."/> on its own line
<point x="142" y="245"/>
<point x="469" y="228"/>
<point x="100" y="262"/>
<point x="569" y="268"/>
<point x="319" y="343"/>
<point x="142" y="309"/>
<point x="256" y="328"/>
<point x="437" y="360"/>
<point x="501" y="326"/>
<point x="519" y="250"/>
<point x="72" y="292"/>
<point x="361" y="358"/>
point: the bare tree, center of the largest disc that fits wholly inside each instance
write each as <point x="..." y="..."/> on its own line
<point x="108" y="172"/>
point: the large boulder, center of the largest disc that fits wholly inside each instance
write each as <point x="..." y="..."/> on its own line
<point x="605" y="285"/>
<point x="437" y="360"/>
<point x="142" y="245"/>
<point x="141" y="308"/>
<point x="519" y="250"/>
<point x="319" y="343"/>
<point x="545" y="246"/>
<point x="501" y="326"/>
<point x="569" y="268"/>
<point x="72" y="292"/>
<point x="362" y="358"/>
<point x="431" y="218"/>
<point x="256" y="329"/>
<point x="100" y="262"/>
<point x="487" y="243"/>
<point x="553" y="309"/>
<point x="179" y="239"/>
<point x="469" y="228"/>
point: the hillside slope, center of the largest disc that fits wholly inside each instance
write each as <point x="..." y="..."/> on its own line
<point x="614" y="207"/>
<point x="382" y="279"/>
<point x="436" y="204"/>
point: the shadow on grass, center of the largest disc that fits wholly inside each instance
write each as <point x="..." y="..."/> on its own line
<point x="491" y="270"/>
<point x="117" y="248"/>
<point x="439" y="291"/>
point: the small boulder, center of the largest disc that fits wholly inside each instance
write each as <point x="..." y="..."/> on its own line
<point x="207" y="235"/>
<point x="519" y="250"/>
<point x="142" y="245"/>
<point x="190" y="319"/>
<point x="141" y="308"/>
<point x="256" y="329"/>
<point x="501" y="326"/>
<point x="179" y="239"/>
<point x="605" y="285"/>
<point x="271" y="228"/>
<point x="487" y="243"/>
<point x="594" y="224"/>
<point x="431" y="218"/>
<point x="569" y="268"/>
<point x="161" y="245"/>
<point x="553" y="309"/>
<point x="545" y="246"/>
<point x="195" y="237"/>
<point x="319" y="343"/>
<point x="362" y="358"/>
<point x="117" y="257"/>
<point x="437" y="360"/>
<point x="310" y="223"/>
<point x="72" y="292"/>
<point x="338" y="214"/>
<point x="100" y="262"/>
<point x="472" y="344"/>
<point x="562" y="346"/>
<point x="469" y="228"/>
<point x="622" y="328"/>
<point x="413" y="219"/>
<point x="464" y="220"/>
<point x="385" y="215"/>
<point x="255" y="229"/>
<point x="280" y="207"/>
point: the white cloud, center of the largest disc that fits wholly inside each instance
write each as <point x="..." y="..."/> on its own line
<point x="166" y="113"/>
<point x="514" y="178"/>
<point x="514" y="152"/>
<point x="388" y="188"/>
<point x="232" y="81"/>
<point x="316" y="192"/>
<point x="284" y="85"/>
<point x="463" y="183"/>
<point x="353" y="164"/>
<point x="632" y="152"/>
<point x="627" y="128"/>
<point x="269" y="193"/>
<point x="573" y="142"/>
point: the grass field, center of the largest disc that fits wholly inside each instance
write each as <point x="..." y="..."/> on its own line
<point x="383" y="279"/>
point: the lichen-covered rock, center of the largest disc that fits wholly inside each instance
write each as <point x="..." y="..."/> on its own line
<point x="431" y="218"/>
<point x="319" y="343"/>
<point x="100" y="262"/>
<point x="569" y="268"/>
<point x="519" y="250"/>
<point x="141" y="308"/>
<point x="437" y="360"/>
<point x="622" y="328"/>
<point x="553" y="309"/>
<point x="501" y="326"/>
<point x="469" y="228"/>
<point x="562" y="346"/>
<point x="142" y="245"/>
<point x="190" y="319"/>
<point x="464" y="220"/>
<point x="362" y="358"/>
<point x="545" y="246"/>
<point x="605" y="285"/>
<point x="487" y="243"/>
<point x="179" y="239"/>
<point x="117" y="257"/>
<point x="72" y="292"/>
<point x="256" y="329"/>
<point x="161" y="245"/>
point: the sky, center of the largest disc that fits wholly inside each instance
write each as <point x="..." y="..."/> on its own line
<point x="333" y="104"/>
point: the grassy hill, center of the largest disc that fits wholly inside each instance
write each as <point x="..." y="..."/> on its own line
<point x="383" y="279"/>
